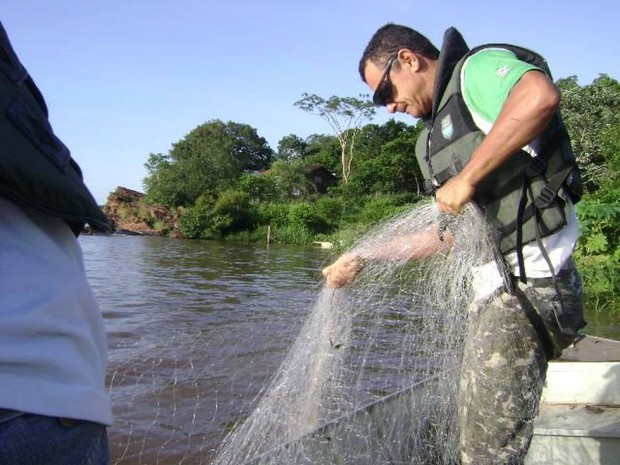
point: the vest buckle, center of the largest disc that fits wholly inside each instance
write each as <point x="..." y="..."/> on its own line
<point x="544" y="199"/>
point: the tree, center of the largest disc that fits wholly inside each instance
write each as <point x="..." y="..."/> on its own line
<point x="291" y="147"/>
<point x="345" y="115"/>
<point x="323" y="150"/>
<point x="589" y="111"/>
<point x="260" y="186"/>
<point x="162" y="181"/>
<point x="385" y="161"/>
<point x="211" y="158"/>
<point x="292" y="179"/>
<point x="610" y="144"/>
<point x="250" y="150"/>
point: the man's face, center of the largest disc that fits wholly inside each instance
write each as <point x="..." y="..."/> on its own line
<point x="403" y="77"/>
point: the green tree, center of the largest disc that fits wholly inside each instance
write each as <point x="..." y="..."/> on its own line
<point x="248" y="148"/>
<point x="323" y="150"/>
<point x="157" y="162"/>
<point x="292" y="179"/>
<point x="291" y="148"/>
<point x="211" y="158"/>
<point x="386" y="162"/>
<point x="592" y="117"/>
<point x="162" y="181"/>
<point x="345" y="115"/>
<point x="589" y="111"/>
<point x="260" y="186"/>
<point x="610" y="182"/>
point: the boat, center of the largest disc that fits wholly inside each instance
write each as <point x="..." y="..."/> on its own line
<point x="579" y="416"/>
<point x="578" y="420"/>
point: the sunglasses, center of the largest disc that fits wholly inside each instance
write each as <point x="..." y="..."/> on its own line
<point x="383" y="92"/>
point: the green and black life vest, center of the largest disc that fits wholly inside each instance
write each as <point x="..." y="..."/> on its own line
<point x="524" y="199"/>
<point x="36" y="169"/>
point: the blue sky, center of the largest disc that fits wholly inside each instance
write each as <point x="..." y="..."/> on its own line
<point x="126" y="78"/>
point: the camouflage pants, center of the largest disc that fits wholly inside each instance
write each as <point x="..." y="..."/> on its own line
<point x="504" y="366"/>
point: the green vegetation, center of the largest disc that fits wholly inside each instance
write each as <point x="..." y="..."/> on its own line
<point x="225" y="182"/>
<point x="592" y="116"/>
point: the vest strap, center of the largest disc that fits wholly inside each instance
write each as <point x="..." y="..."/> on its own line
<point x="550" y="191"/>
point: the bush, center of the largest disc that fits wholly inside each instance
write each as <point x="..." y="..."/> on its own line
<point x="194" y="223"/>
<point x="273" y="214"/>
<point x="233" y="212"/>
<point x="600" y="282"/>
<point x="598" y="253"/>
<point x="600" y="226"/>
<point x="331" y="209"/>
<point x="381" y="208"/>
<point x="304" y="215"/>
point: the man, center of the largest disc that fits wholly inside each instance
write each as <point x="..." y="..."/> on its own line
<point x="493" y="136"/>
<point x="54" y="406"/>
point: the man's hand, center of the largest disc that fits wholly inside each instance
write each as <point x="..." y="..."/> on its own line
<point x="342" y="271"/>
<point x="454" y="195"/>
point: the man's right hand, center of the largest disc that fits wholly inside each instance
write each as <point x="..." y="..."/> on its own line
<point x="342" y="271"/>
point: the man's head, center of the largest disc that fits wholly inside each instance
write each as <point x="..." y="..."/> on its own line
<point x="399" y="65"/>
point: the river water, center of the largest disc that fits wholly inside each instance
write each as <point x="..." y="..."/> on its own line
<point x="196" y="330"/>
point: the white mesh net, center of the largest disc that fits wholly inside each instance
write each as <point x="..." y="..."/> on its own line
<point x="399" y="324"/>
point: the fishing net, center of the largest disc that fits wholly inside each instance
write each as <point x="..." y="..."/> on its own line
<point x="373" y="375"/>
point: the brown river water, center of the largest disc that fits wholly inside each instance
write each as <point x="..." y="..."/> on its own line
<point x="195" y="331"/>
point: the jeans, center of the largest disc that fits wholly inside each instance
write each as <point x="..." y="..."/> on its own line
<point x="27" y="439"/>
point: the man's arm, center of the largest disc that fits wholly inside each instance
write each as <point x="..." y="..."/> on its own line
<point x="410" y="247"/>
<point x="525" y="114"/>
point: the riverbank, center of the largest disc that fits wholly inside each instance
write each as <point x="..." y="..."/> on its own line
<point x="324" y="222"/>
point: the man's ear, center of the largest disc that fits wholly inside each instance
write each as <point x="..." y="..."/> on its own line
<point x="409" y="59"/>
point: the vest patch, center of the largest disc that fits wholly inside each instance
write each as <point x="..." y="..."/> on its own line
<point x="447" y="128"/>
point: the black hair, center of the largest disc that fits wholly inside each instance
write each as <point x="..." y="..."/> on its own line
<point x="389" y="39"/>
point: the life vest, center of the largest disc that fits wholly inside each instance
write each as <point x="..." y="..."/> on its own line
<point x="36" y="168"/>
<point x="524" y="199"/>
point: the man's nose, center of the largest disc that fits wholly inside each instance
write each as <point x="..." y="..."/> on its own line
<point x="391" y="107"/>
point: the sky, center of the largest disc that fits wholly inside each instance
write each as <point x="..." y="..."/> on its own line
<point x="127" y="78"/>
